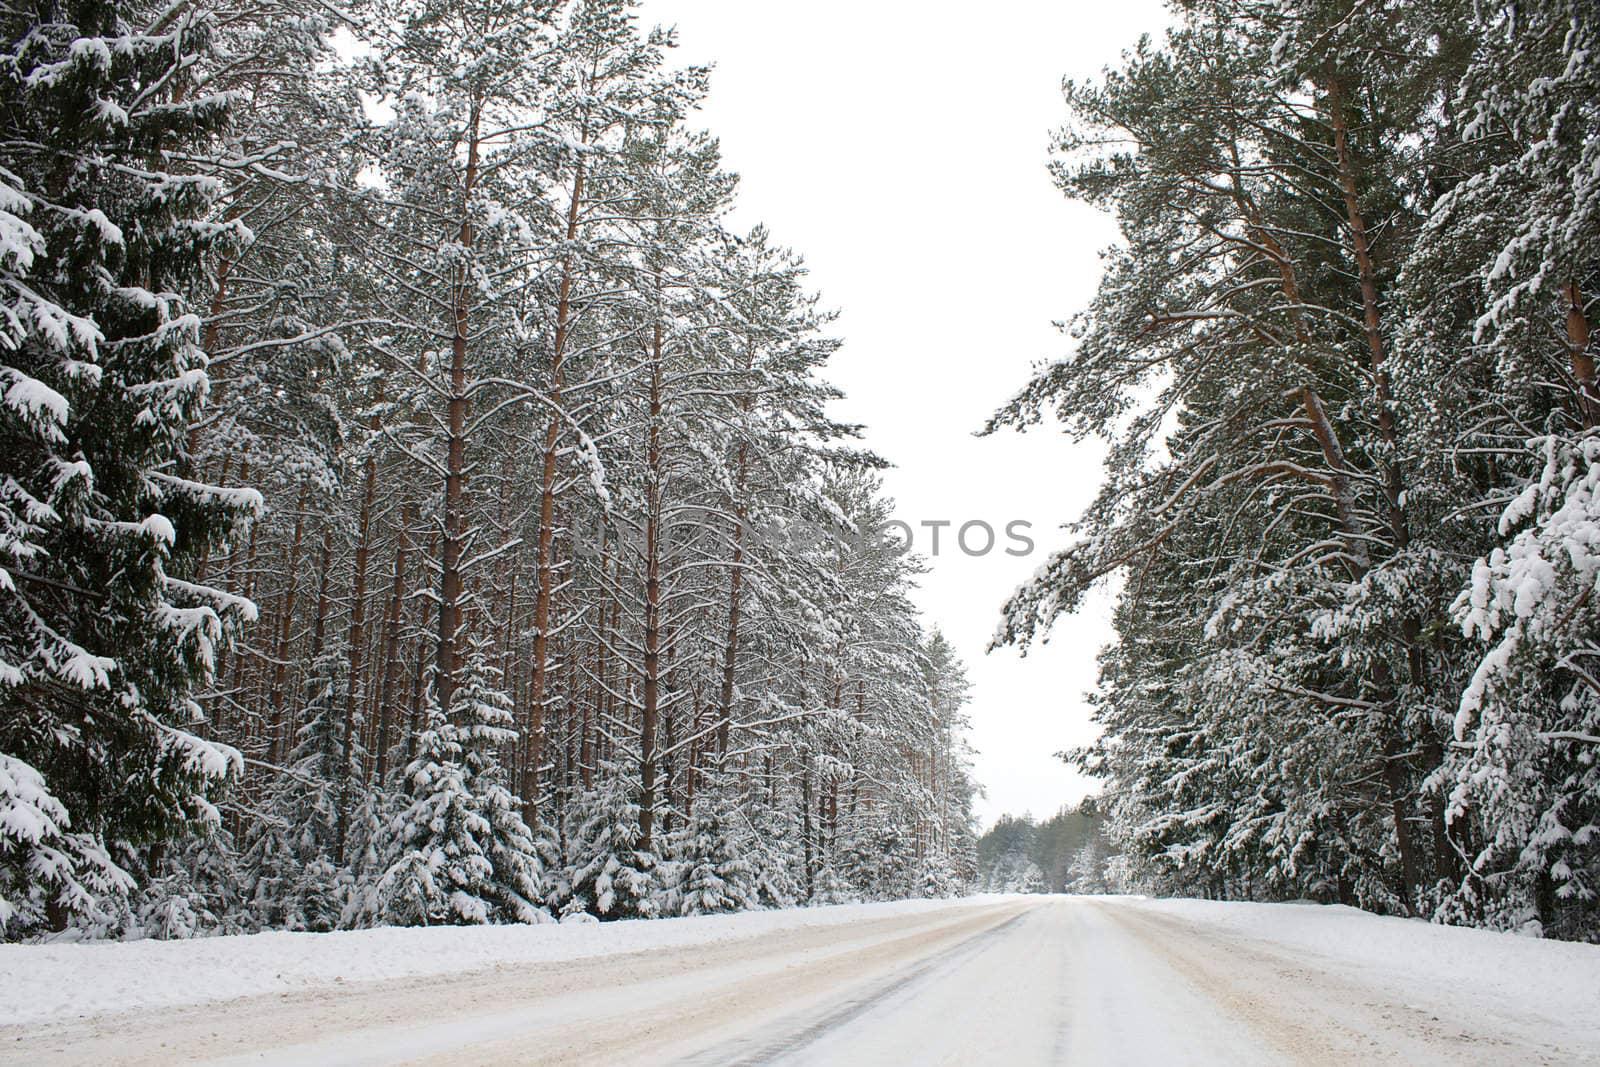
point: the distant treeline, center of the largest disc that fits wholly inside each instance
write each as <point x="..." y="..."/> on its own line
<point x="1067" y="853"/>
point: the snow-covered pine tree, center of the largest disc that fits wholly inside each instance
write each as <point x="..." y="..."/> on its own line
<point x="1254" y="496"/>
<point x="102" y="638"/>
<point x="277" y="316"/>
<point x="608" y="90"/>
<point x="1345" y="349"/>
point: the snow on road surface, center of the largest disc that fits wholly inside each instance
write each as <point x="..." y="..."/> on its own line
<point x="1005" y="980"/>
<point x="55" y="981"/>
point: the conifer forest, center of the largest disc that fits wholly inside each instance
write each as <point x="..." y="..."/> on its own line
<point x="1343" y="366"/>
<point x="420" y="505"/>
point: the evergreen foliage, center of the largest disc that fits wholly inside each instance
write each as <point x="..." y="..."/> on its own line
<point x="1343" y="363"/>
<point x="105" y="229"/>
<point x="571" y="596"/>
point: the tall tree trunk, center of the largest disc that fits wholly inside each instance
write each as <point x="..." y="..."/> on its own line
<point x="730" y="650"/>
<point x="280" y="652"/>
<point x="592" y="716"/>
<point x="503" y="589"/>
<point x="454" y="526"/>
<point x="696" y="747"/>
<point x="419" y="677"/>
<point x="1396" y="764"/>
<point x="652" y="603"/>
<point x="391" y="641"/>
<point x="1340" y="484"/>
<point x="1393" y="484"/>
<point x="319" y="617"/>
<point x="807" y="845"/>
<point x="357" y="632"/>
<point x="1582" y="358"/>
<point x="319" y="632"/>
<point x="548" y="473"/>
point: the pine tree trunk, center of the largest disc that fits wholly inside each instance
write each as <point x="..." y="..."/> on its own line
<point x="319" y="632"/>
<point x="730" y="648"/>
<point x="1582" y="358"/>
<point x="280" y="664"/>
<point x="606" y="741"/>
<point x="391" y="642"/>
<point x="319" y="617"/>
<point x="419" y="677"/>
<point x="547" y="477"/>
<point x="1395" y="765"/>
<point x="668" y="764"/>
<point x="454" y="526"/>
<point x="805" y="828"/>
<point x="1340" y="485"/>
<point x="1392" y="482"/>
<point x="652" y="604"/>
<point x="593" y="714"/>
<point x="503" y="589"/>
<point x="730" y="652"/>
<point x="696" y="747"/>
<point x="357" y="632"/>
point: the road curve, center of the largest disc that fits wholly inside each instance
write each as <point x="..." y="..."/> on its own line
<point x="1024" y="981"/>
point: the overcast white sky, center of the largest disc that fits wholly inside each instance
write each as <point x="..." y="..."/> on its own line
<point x="901" y="147"/>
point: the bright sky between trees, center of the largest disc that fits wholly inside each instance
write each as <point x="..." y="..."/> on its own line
<point x="903" y="148"/>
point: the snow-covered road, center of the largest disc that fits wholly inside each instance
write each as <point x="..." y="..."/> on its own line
<point x="1013" y="981"/>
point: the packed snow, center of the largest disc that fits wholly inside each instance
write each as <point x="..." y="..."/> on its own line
<point x="1020" y="979"/>
<point x="61" y="981"/>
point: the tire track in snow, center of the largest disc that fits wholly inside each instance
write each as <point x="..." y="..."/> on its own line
<point x="800" y="1032"/>
<point x="566" y="1012"/>
<point x="1312" y="1014"/>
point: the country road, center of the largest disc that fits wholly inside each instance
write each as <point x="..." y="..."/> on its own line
<point x="1017" y="981"/>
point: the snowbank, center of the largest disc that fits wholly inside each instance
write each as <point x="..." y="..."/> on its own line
<point x="52" y="982"/>
<point x="1488" y="972"/>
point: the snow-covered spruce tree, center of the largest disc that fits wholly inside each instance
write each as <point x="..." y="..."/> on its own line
<point x="1015" y="871"/>
<point x="295" y="856"/>
<point x="369" y="851"/>
<point x="607" y="875"/>
<point x="773" y="849"/>
<point x="191" y="888"/>
<point x="1088" y="873"/>
<point x="464" y="854"/>
<point x="714" y="855"/>
<point x="103" y="228"/>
